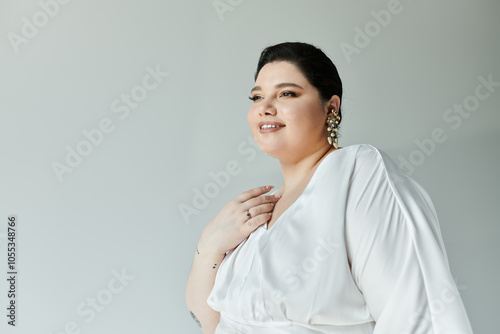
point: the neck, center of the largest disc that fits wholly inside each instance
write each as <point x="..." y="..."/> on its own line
<point x="299" y="171"/>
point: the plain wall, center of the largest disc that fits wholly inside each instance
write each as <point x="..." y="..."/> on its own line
<point x="117" y="211"/>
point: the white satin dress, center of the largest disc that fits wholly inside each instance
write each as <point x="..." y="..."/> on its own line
<point x="360" y="251"/>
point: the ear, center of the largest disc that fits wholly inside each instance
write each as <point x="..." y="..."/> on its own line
<point x="333" y="103"/>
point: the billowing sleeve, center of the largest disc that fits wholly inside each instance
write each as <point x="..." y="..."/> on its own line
<point x="396" y="251"/>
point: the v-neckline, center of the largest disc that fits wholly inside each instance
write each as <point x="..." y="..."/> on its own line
<point x="309" y="184"/>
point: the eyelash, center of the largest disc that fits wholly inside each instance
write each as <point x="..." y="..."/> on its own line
<point x="253" y="98"/>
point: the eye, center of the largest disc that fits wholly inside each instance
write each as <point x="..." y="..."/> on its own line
<point x="253" y="98"/>
<point x="288" y="93"/>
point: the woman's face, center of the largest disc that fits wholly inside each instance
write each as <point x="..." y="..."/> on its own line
<point x="284" y="97"/>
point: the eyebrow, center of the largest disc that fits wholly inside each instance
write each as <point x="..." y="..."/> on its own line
<point x="280" y="85"/>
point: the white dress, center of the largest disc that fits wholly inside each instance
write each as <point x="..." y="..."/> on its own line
<point x="360" y="251"/>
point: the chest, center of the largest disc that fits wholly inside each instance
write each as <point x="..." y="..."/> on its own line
<point x="303" y="256"/>
<point x="283" y="204"/>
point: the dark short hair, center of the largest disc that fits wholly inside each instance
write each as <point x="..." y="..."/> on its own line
<point x="311" y="61"/>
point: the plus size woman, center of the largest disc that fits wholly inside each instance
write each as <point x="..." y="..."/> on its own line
<point x="348" y="244"/>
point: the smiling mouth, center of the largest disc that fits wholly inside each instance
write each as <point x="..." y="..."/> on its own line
<point x="268" y="126"/>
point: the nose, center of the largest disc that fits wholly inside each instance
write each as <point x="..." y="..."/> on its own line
<point x="267" y="108"/>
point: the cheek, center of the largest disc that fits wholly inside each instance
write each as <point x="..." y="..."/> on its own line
<point x="302" y="117"/>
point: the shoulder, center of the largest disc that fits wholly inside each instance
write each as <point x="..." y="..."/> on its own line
<point x="364" y="154"/>
<point x="367" y="153"/>
<point x="377" y="178"/>
<point x="369" y="159"/>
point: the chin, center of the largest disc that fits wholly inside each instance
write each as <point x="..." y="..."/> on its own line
<point x="272" y="148"/>
<point x="272" y="152"/>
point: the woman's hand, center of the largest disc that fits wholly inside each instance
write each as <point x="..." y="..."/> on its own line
<point x="240" y="217"/>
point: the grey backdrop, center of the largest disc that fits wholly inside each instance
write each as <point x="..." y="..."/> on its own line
<point x="117" y="115"/>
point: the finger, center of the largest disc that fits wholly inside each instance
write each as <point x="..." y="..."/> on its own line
<point x="245" y="196"/>
<point x="259" y="209"/>
<point x="255" y="222"/>
<point x="246" y="216"/>
<point x="253" y="202"/>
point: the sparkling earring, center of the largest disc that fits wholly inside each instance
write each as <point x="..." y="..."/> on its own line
<point x="332" y="128"/>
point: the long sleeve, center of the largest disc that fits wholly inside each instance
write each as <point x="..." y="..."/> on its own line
<point x="396" y="251"/>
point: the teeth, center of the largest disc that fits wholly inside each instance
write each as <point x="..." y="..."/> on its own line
<point x="267" y="126"/>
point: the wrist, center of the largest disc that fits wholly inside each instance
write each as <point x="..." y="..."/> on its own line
<point x="204" y="249"/>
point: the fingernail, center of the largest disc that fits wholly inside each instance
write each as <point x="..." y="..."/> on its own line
<point x="277" y="195"/>
<point x="272" y="204"/>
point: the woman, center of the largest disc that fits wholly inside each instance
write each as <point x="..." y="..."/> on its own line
<point x="348" y="244"/>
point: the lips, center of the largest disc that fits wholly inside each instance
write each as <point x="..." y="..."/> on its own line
<point x="270" y="125"/>
<point x="267" y="127"/>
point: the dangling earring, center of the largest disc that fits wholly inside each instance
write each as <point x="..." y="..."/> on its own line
<point x="333" y="128"/>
